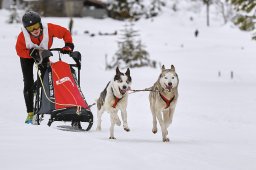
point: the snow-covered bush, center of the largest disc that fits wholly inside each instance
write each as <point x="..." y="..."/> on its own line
<point x="134" y="9"/>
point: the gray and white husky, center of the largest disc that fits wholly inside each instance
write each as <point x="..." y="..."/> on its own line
<point x="114" y="98"/>
<point x="163" y="99"/>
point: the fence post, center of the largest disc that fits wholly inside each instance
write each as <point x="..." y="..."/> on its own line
<point x="231" y="74"/>
<point x="219" y="74"/>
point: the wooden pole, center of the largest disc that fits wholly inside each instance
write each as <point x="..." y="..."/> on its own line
<point x="208" y="11"/>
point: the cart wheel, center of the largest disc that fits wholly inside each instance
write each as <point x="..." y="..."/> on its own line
<point x="38" y="119"/>
<point x="89" y="126"/>
<point x="35" y="120"/>
<point x="50" y="122"/>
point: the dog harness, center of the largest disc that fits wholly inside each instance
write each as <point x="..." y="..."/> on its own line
<point x="167" y="102"/>
<point x="116" y="99"/>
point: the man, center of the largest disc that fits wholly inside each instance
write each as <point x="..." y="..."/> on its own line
<point x="34" y="36"/>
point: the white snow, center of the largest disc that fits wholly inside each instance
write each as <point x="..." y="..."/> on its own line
<point x="214" y="123"/>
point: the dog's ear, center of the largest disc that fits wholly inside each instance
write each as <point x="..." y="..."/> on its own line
<point x="163" y="67"/>
<point x="117" y="70"/>
<point x="172" y="67"/>
<point x="127" y="72"/>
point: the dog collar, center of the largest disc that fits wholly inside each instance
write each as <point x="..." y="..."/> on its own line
<point x="167" y="102"/>
<point x="116" y="99"/>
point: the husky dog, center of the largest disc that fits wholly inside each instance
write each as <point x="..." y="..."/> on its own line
<point x="163" y="99"/>
<point x="114" y="98"/>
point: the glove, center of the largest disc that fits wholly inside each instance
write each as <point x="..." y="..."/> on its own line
<point x="68" y="48"/>
<point x="34" y="53"/>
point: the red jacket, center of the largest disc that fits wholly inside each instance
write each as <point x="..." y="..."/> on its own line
<point x="53" y="31"/>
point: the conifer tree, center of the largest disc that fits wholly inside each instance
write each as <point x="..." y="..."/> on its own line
<point x="155" y="8"/>
<point x="131" y="52"/>
<point x="246" y="10"/>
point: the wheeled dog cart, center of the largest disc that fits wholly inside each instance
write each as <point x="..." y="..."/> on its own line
<point x="58" y="93"/>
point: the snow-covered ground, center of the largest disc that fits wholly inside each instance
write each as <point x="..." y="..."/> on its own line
<point x="214" y="124"/>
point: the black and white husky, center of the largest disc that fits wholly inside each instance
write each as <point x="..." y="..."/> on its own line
<point x="163" y="99"/>
<point x="114" y="98"/>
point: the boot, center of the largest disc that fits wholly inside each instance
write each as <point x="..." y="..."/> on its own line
<point x="29" y="118"/>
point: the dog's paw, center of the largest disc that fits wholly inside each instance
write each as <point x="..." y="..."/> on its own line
<point x="126" y="129"/>
<point x="112" y="137"/>
<point x="154" y="131"/>
<point x="166" y="140"/>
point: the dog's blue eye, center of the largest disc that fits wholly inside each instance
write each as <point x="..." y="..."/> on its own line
<point x="165" y="77"/>
<point x="120" y="81"/>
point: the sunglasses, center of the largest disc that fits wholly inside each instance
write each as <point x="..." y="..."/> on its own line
<point x="33" y="27"/>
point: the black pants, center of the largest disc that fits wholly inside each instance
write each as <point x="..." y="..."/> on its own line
<point x="28" y="79"/>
